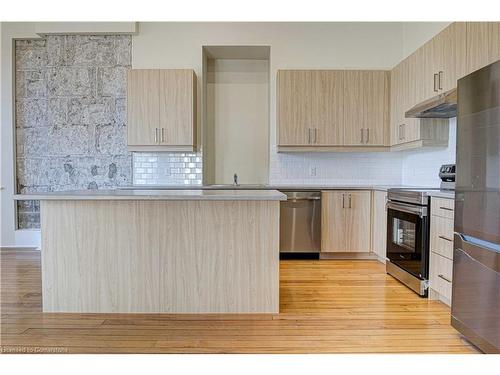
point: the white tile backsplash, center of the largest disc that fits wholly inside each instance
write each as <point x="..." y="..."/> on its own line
<point x="336" y="168"/>
<point x="163" y="168"/>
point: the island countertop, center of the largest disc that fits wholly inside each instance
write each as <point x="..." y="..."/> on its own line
<point x="143" y="194"/>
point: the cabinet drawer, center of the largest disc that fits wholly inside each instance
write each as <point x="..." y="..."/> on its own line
<point x="440" y="275"/>
<point x="442" y="236"/>
<point x="442" y="207"/>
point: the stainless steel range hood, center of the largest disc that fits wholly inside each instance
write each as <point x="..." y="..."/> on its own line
<point x="441" y="106"/>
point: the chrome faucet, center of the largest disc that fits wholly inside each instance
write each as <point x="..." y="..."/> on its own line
<point x="235" y="180"/>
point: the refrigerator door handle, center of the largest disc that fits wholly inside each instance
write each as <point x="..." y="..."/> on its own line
<point x="488" y="258"/>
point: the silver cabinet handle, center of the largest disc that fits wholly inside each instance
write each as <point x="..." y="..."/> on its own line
<point x="444" y="278"/>
<point x="309" y="136"/>
<point x="400" y="132"/>
<point x="315" y="135"/>
<point x="404" y="131"/>
<point x="163" y="134"/>
<point x="350" y="201"/>
<point x="367" y="135"/>
<point x="445" y="208"/>
<point x="303" y="199"/>
<point x="343" y="201"/>
<point x="445" y="238"/>
<point x="361" y="140"/>
<point x="440" y="79"/>
<point x="156" y="135"/>
<point x="435" y="78"/>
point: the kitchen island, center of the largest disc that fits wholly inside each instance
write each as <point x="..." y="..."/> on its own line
<point x="169" y="251"/>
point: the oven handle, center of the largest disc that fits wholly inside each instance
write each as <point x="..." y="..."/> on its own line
<point x="409" y="208"/>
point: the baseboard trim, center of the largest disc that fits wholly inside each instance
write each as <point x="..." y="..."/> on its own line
<point x="18" y="248"/>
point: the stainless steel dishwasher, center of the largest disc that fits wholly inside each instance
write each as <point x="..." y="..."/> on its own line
<point x="300" y="222"/>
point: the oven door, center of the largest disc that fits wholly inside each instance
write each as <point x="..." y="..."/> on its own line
<point x="407" y="238"/>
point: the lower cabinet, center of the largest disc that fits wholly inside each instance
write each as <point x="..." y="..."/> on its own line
<point x="346" y="221"/>
<point x="441" y="250"/>
<point x="379" y="224"/>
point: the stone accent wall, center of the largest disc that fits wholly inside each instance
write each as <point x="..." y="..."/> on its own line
<point x="70" y="116"/>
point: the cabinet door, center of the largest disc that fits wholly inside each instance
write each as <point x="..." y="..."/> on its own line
<point x="422" y="82"/>
<point x="294" y="107"/>
<point x="417" y="86"/>
<point x="379" y="223"/>
<point x="449" y="55"/>
<point x="143" y="116"/>
<point x="354" y="106"/>
<point x="333" y="221"/>
<point x="357" y="221"/>
<point x="327" y="107"/>
<point x="366" y="107"/>
<point x="397" y="92"/>
<point x="376" y="107"/>
<point x="177" y="106"/>
<point x="483" y="44"/>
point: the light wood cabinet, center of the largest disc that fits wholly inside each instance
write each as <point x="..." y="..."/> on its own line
<point x="483" y="44"/>
<point x="421" y="74"/>
<point x="328" y="107"/>
<point x="177" y="107"/>
<point x="440" y="278"/>
<point x="439" y="63"/>
<point x="441" y="249"/>
<point x="449" y="54"/>
<point x="404" y="91"/>
<point x="161" y="110"/>
<point x="310" y="107"/>
<point x="321" y="109"/>
<point x="143" y="103"/>
<point x="409" y="87"/>
<point x="366" y="107"/>
<point x="379" y="224"/>
<point x="294" y="107"/>
<point x="345" y="221"/>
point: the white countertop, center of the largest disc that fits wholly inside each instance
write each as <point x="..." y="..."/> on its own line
<point x="186" y="195"/>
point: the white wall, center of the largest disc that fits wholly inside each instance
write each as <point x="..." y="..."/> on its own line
<point x="416" y="34"/>
<point x="8" y="235"/>
<point x="238" y="106"/>
<point x="421" y="167"/>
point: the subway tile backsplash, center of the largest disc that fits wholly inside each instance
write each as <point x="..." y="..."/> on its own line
<point x="164" y="168"/>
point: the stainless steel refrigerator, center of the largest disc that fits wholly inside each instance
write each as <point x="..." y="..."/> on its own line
<point x="475" y="305"/>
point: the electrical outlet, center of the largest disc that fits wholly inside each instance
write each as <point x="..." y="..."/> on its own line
<point x="312" y="171"/>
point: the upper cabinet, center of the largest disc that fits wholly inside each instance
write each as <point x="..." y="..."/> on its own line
<point x="143" y="103"/>
<point x="321" y="110"/>
<point x="449" y="50"/>
<point x="161" y="110"/>
<point x="439" y="63"/>
<point x="431" y="70"/>
<point x="310" y="107"/>
<point x="366" y="107"/>
<point x="405" y="88"/>
<point x="483" y="44"/>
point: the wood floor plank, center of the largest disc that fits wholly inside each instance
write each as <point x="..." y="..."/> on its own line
<point x="327" y="306"/>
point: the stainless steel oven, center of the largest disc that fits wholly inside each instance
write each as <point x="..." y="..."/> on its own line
<point x="408" y="238"/>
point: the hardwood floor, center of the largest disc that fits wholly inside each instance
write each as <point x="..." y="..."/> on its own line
<point x="328" y="306"/>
